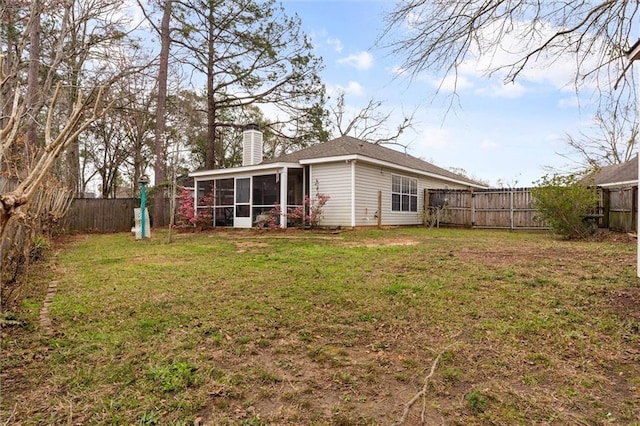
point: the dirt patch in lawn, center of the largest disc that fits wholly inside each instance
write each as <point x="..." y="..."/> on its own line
<point x="511" y="256"/>
<point x="382" y="242"/>
<point x="244" y="245"/>
<point x="626" y="303"/>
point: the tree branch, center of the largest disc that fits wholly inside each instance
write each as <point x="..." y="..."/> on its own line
<point x="422" y="393"/>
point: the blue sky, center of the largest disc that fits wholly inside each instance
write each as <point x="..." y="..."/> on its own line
<point x="495" y="132"/>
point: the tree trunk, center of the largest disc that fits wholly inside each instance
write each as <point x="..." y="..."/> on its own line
<point x="73" y="167"/>
<point x="159" y="165"/>
<point x="210" y="154"/>
<point x="72" y="155"/>
<point x="33" y="83"/>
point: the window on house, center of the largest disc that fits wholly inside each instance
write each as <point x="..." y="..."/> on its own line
<point x="266" y="190"/>
<point x="404" y="194"/>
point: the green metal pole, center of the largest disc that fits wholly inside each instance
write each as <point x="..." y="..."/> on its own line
<point x="143" y="207"/>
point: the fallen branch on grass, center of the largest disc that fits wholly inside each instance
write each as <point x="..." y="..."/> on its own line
<point x="13" y="413"/>
<point x="422" y="392"/>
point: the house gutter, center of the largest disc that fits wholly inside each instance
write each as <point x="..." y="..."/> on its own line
<point x="618" y="184"/>
<point x="242" y="169"/>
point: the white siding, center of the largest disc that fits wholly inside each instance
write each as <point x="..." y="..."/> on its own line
<point x="370" y="179"/>
<point x="333" y="179"/>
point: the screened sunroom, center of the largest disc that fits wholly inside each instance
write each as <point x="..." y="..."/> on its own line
<point x="246" y="198"/>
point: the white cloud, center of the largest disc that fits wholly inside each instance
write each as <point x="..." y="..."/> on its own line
<point x="362" y="60"/>
<point x="352" y="88"/>
<point x="506" y="90"/>
<point x="131" y="13"/>
<point x="569" y="102"/>
<point x="448" y="84"/>
<point x="560" y="74"/>
<point x="335" y="43"/>
<point x="433" y="138"/>
<point x="451" y="83"/>
<point x="397" y="70"/>
<point x="487" y="144"/>
<point x="555" y="137"/>
<point x="554" y="67"/>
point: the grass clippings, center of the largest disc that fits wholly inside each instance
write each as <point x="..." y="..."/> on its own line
<point x="262" y="328"/>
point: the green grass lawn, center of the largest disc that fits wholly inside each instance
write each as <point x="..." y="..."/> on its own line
<point x="262" y="328"/>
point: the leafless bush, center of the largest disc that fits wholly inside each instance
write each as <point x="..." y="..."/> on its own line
<point x="28" y="234"/>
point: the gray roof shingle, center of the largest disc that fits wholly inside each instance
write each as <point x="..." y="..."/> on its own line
<point x="616" y="173"/>
<point x="347" y="145"/>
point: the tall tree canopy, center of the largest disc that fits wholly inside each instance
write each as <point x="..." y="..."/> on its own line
<point x="250" y="52"/>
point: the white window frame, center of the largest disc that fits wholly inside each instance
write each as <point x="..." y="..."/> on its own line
<point x="405" y="189"/>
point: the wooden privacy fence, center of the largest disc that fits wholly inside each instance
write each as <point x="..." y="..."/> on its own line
<point x="508" y="208"/>
<point x="100" y="215"/>
<point x="511" y="208"/>
<point x="620" y="207"/>
<point x="105" y="214"/>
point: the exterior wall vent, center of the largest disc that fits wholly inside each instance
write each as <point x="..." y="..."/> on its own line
<point x="251" y="145"/>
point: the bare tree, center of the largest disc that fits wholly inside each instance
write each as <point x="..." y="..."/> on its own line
<point x="86" y="109"/>
<point x="33" y="79"/>
<point x="511" y="37"/>
<point x="69" y="105"/>
<point x="96" y="34"/>
<point x="370" y="123"/>
<point x="441" y="34"/>
<point x="613" y="138"/>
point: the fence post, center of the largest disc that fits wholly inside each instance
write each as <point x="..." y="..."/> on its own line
<point x="473" y="208"/>
<point x="425" y="207"/>
<point x="511" y="208"/>
<point x="606" y="206"/>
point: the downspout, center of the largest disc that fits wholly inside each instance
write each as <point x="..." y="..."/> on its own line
<point x="353" y="193"/>
<point x="284" y="174"/>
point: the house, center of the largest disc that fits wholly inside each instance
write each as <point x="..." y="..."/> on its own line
<point x="616" y="175"/>
<point x="366" y="184"/>
<point x="618" y="195"/>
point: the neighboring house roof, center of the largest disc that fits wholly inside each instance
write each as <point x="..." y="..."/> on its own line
<point x="633" y="54"/>
<point x="617" y="174"/>
<point x="347" y="146"/>
<point x="185" y="181"/>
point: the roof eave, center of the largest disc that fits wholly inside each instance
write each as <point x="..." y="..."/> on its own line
<point x="633" y="54"/>
<point x="618" y="184"/>
<point x="389" y="165"/>
<point x="243" y="169"/>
